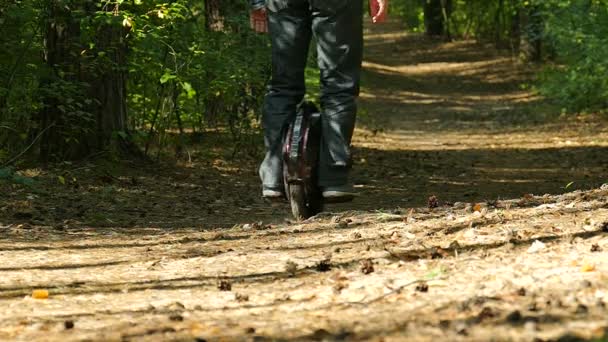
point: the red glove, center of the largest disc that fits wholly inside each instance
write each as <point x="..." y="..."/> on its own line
<point x="378" y="10"/>
<point x="259" y="20"/>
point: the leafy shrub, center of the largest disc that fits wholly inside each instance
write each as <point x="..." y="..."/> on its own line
<point x="578" y="31"/>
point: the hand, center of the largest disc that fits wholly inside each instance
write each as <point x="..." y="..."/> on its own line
<point x="259" y="20"/>
<point x="379" y="10"/>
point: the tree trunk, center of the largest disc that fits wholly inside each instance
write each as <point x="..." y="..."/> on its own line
<point x="515" y="29"/>
<point x="213" y="15"/>
<point x="96" y="82"/>
<point x="498" y="27"/>
<point x="531" y="40"/>
<point x="446" y="11"/>
<point x="437" y="16"/>
<point x="109" y="88"/>
<point x="60" y="43"/>
<point x="433" y="17"/>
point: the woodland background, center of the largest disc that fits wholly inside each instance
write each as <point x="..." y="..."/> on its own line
<point x="82" y="76"/>
<point x="130" y="204"/>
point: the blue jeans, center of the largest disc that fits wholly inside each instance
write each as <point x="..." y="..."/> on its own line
<point x="337" y="26"/>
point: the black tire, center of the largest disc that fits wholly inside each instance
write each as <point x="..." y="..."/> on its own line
<point x="297" y="197"/>
<point x="316" y="202"/>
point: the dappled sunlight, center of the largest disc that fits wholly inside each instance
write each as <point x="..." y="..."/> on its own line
<point x="418" y="140"/>
<point x="473" y="173"/>
<point x="457" y="85"/>
<point x="444" y="86"/>
<point x="460" y="68"/>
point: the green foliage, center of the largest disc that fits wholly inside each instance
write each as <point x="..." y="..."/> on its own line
<point x="20" y="67"/>
<point x="179" y="67"/>
<point x="578" y="32"/>
<point x="182" y="72"/>
<point x="571" y="36"/>
<point x="410" y="12"/>
<point x="192" y="67"/>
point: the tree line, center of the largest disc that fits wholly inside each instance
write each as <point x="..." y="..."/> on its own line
<point x="568" y="37"/>
<point x="79" y="76"/>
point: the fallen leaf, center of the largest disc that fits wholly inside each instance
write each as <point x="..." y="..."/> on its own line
<point x="240" y="297"/>
<point x="224" y="285"/>
<point x="69" y="324"/>
<point x="40" y="294"/>
<point x="433" y="202"/>
<point x="588" y="268"/>
<point x="367" y="266"/>
<point x="422" y="287"/>
<point x="291" y="268"/>
<point x="323" y="265"/>
<point x="536" y="247"/>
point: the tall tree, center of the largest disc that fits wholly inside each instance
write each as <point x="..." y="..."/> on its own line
<point x="531" y="21"/>
<point x="436" y="17"/>
<point x="85" y="90"/>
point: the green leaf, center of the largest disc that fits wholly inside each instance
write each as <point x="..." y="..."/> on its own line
<point x="166" y="78"/>
<point x="189" y="90"/>
<point x="122" y="134"/>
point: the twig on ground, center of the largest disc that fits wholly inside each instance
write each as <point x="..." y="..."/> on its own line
<point x="388" y="294"/>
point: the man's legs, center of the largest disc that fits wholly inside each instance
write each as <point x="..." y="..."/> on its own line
<point x="338" y="28"/>
<point x="289" y="26"/>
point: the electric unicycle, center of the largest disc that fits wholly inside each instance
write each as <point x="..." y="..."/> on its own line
<point x="301" y="148"/>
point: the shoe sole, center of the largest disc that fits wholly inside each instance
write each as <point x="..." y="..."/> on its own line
<point x="274" y="199"/>
<point x="342" y="198"/>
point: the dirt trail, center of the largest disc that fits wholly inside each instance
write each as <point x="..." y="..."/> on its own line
<point x="443" y="119"/>
<point x="452" y="120"/>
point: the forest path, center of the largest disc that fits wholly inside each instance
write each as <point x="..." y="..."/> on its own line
<point x="452" y="120"/>
<point x="445" y="119"/>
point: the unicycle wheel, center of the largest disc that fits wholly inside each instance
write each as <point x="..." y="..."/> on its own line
<point x="304" y="204"/>
<point x="301" y="146"/>
<point x="297" y="198"/>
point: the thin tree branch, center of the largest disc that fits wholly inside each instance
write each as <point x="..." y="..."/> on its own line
<point x="14" y="159"/>
<point x="9" y="128"/>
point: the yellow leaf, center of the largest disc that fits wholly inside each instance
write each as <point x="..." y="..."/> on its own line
<point x="61" y="180"/>
<point x="588" y="268"/>
<point x="40" y="294"/>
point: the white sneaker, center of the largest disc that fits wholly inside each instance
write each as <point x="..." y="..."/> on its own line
<point x="344" y="192"/>
<point x="271" y="194"/>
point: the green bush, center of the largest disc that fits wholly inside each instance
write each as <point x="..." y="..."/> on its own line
<point x="578" y="31"/>
<point x="182" y="74"/>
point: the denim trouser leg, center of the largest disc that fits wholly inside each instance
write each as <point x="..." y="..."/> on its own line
<point x="290" y="34"/>
<point x="338" y="28"/>
<point x="337" y="25"/>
